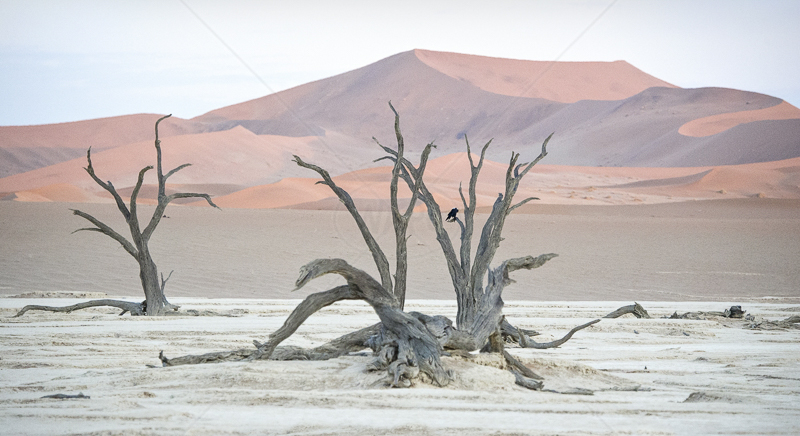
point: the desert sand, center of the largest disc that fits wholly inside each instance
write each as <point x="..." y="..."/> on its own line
<point x="621" y="376"/>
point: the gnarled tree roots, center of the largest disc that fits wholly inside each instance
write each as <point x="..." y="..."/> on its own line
<point x="408" y="345"/>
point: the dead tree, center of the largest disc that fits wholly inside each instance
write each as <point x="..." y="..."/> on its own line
<point x="409" y="345"/>
<point x="155" y="303"/>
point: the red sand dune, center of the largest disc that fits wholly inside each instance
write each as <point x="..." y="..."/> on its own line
<point x="24" y="148"/>
<point x="714" y="124"/>
<point x="442" y="96"/>
<point x="769" y="179"/>
<point x="60" y="192"/>
<point x="287" y="192"/>
<point x="232" y="157"/>
<point x="551" y="183"/>
<point x="100" y="133"/>
<point x="565" y="82"/>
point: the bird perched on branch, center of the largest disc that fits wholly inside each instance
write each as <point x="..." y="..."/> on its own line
<point x="451" y="217"/>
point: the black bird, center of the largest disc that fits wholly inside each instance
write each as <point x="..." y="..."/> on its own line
<point x="451" y="217"/>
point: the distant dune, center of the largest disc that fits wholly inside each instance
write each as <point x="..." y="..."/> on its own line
<point x="24" y="148"/>
<point x="605" y="115"/>
<point x="552" y="184"/>
<point x="714" y="124"/>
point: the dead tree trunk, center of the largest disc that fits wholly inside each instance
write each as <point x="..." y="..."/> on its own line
<point x="155" y="302"/>
<point x="410" y="344"/>
<point x="479" y="302"/>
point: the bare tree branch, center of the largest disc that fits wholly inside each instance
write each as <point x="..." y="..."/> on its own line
<point x="161" y="180"/>
<point x="538" y="158"/>
<point x="308" y="307"/>
<point x="164" y="280"/>
<point x="175" y="170"/>
<point x="106" y="185"/>
<point x="510" y="209"/>
<point x="377" y="254"/>
<point x="103" y="228"/>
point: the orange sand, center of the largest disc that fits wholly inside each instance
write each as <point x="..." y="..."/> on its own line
<point x="714" y="124"/>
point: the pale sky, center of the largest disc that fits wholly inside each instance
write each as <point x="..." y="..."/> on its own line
<point x="74" y="60"/>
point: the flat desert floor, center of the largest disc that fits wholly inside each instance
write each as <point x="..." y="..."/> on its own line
<point x="235" y="270"/>
<point x="725" y="250"/>
<point x="620" y="376"/>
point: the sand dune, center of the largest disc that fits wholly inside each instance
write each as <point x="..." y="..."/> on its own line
<point x="442" y="96"/>
<point x="551" y="183"/>
<point x="565" y="82"/>
<point x="714" y="124"/>
<point x="233" y="157"/>
<point x="61" y="192"/>
<point x="286" y="192"/>
<point x="24" y="148"/>
<point x="100" y="133"/>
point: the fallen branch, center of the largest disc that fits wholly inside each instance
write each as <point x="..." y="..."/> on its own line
<point x="527" y="342"/>
<point x="126" y="306"/>
<point x="67" y="396"/>
<point x="635" y="309"/>
<point x="733" y="312"/>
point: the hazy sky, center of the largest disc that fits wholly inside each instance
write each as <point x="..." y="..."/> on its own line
<point x="73" y="60"/>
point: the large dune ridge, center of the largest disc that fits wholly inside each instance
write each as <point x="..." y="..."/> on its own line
<point x="603" y="113"/>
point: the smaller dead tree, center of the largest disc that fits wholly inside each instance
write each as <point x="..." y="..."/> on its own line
<point x="155" y="303"/>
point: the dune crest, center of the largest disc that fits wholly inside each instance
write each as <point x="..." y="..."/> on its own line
<point x="564" y="82"/>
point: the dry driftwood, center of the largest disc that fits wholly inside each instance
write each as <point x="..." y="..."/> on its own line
<point x="635" y="309"/>
<point x="733" y="312"/>
<point x="155" y="301"/>
<point x="68" y="396"/>
<point x="126" y="306"/>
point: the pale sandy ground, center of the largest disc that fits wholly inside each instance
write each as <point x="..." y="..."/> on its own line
<point x="641" y="373"/>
